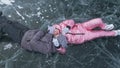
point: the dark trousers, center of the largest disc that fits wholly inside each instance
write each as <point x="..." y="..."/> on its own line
<point x="14" y="30"/>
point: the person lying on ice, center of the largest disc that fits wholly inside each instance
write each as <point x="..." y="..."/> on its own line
<point x="78" y="33"/>
<point x="30" y="39"/>
<point x="57" y="37"/>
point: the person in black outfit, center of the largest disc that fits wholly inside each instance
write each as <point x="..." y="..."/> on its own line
<point x="30" y="39"/>
<point x="13" y="29"/>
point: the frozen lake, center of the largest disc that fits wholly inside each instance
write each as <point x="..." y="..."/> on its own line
<point x="98" y="53"/>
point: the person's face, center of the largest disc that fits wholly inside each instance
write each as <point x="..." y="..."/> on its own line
<point x="56" y="32"/>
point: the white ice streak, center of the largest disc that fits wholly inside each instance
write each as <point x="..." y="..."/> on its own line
<point x="8" y="46"/>
<point x="7" y="2"/>
<point x="18" y="13"/>
<point x="19" y="7"/>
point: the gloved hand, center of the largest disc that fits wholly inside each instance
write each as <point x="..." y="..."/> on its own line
<point x="51" y="29"/>
<point x="61" y="50"/>
<point x="65" y="30"/>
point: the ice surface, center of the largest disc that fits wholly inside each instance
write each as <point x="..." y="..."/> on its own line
<point x="99" y="53"/>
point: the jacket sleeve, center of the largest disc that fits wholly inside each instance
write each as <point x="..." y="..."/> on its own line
<point x="70" y="23"/>
<point x="38" y="35"/>
<point x="41" y="44"/>
<point x="47" y="38"/>
<point x="63" y="41"/>
<point x="42" y="37"/>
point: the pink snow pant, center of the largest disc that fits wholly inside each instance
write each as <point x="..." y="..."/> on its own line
<point x="92" y="34"/>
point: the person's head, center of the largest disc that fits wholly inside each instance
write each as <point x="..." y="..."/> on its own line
<point x="56" y="31"/>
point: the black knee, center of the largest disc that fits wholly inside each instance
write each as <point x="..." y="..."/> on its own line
<point x="9" y="22"/>
<point x="1" y="13"/>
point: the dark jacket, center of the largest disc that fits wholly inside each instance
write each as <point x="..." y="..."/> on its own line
<point x="38" y="41"/>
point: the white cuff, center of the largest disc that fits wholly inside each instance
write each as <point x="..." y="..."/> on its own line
<point x="55" y="42"/>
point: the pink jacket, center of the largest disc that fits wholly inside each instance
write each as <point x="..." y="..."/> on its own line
<point x="75" y="28"/>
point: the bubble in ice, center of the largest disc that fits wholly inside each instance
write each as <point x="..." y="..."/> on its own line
<point x="9" y="16"/>
<point x="47" y="16"/>
<point x="45" y="10"/>
<point x="49" y="5"/>
<point x="68" y="5"/>
<point x="42" y="17"/>
<point x="39" y="13"/>
<point x="38" y="8"/>
<point x="37" y="22"/>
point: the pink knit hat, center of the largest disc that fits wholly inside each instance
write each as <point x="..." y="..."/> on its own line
<point x="57" y="27"/>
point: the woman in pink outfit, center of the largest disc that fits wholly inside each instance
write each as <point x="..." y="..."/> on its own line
<point x="78" y="33"/>
<point x="81" y="32"/>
